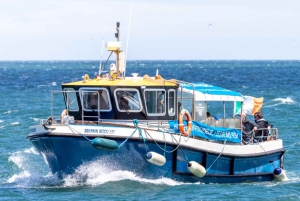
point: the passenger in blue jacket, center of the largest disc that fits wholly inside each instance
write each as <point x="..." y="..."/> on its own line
<point x="248" y="128"/>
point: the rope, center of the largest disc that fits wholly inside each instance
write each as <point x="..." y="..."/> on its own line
<point x="79" y="133"/>
<point x="135" y="123"/>
<point x="267" y="154"/>
<point x="218" y="156"/>
<point x="160" y="146"/>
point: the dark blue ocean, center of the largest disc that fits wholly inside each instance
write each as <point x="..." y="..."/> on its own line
<point x="25" y="98"/>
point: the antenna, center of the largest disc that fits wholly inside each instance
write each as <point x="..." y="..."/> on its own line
<point x="128" y="38"/>
<point x="100" y="67"/>
<point x="117" y="35"/>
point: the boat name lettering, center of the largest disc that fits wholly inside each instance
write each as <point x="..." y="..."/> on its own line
<point x="94" y="130"/>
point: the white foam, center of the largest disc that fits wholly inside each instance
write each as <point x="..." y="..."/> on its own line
<point x="34" y="119"/>
<point x="284" y="100"/>
<point x="53" y="84"/>
<point x="8" y="112"/>
<point x="1" y="121"/>
<point x="34" y="173"/>
<point x="31" y="150"/>
<point x="96" y="173"/>
<point x="17" y="177"/>
<point x="15" y="123"/>
<point x="279" y="101"/>
<point x="17" y="159"/>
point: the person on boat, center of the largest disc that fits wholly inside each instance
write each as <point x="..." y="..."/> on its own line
<point x="209" y="118"/>
<point x="93" y="103"/>
<point x="160" y="103"/>
<point x="149" y="103"/>
<point x="123" y="104"/>
<point x="247" y="129"/>
<point x="264" y="127"/>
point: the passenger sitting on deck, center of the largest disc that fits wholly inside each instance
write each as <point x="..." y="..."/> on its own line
<point x="209" y="118"/>
<point x="123" y="104"/>
<point x="262" y="124"/>
<point x="247" y="129"/>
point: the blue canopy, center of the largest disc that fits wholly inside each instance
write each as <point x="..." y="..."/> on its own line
<point x="207" y="92"/>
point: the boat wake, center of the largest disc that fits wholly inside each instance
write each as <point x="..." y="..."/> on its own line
<point x="32" y="173"/>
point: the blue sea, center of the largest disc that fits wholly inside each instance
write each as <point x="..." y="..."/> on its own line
<point x="25" y="98"/>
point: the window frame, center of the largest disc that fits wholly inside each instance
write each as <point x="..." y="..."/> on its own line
<point x="155" y="114"/>
<point x="175" y="105"/>
<point x="66" y="97"/>
<point x="117" y="100"/>
<point x="95" y="89"/>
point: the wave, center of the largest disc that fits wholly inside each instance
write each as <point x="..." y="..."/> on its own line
<point x="279" y="101"/>
<point x="34" y="119"/>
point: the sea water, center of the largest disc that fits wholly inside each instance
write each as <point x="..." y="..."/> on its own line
<point x="25" y="98"/>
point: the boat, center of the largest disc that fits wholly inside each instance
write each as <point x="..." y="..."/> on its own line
<point x="155" y="128"/>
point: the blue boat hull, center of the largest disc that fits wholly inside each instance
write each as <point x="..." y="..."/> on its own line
<point x="65" y="154"/>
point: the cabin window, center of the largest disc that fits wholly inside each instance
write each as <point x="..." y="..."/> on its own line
<point x="155" y="102"/>
<point x="171" y="102"/>
<point x="95" y="99"/>
<point x="71" y="99"/>
<point x="185" y="100"/>
<point x="128" y="100"/>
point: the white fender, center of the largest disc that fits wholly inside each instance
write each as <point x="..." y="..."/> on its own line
<point x="279" y="175"/>
<point x="155" y="158"/>
<point x="196" y="169"/>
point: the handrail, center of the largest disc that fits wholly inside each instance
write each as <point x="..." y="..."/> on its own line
<point x="272" y="135"/>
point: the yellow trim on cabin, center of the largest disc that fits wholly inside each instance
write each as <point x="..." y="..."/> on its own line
<point x="128" y="81"/>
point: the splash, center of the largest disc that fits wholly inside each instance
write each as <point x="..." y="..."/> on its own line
<point x="32" y="173"/>
<point x="100" y="172"/>
<point x="53" y="84"/>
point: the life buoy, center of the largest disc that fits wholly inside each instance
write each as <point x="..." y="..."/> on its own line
<point x="62" y="116"/>
<point x="183" y="113"/>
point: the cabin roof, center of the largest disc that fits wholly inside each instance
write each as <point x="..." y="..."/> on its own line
<point x="128" y="81"/>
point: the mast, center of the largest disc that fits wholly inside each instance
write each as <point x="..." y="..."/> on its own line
<point x="117" y="35"/>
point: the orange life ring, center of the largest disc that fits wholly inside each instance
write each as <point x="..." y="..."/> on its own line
<point x="183" y="113"/>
